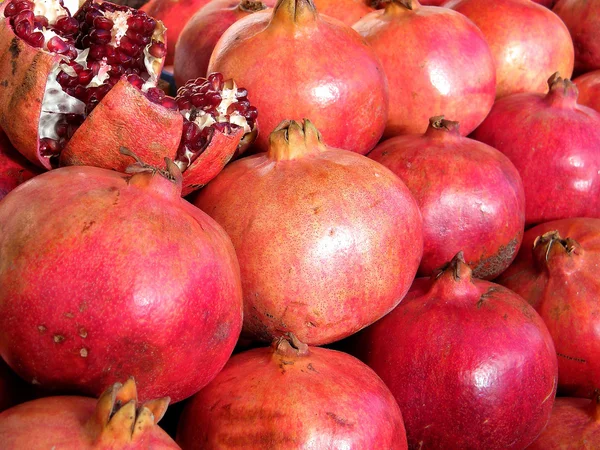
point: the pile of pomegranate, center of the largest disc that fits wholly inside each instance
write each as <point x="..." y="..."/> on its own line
<point x="324" y="224"/>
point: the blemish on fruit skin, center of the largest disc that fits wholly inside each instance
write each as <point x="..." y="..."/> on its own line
<point x="69" y="315"/>
<point x="83" y="333"/>
<point x="42" y="329"/>
<point x="58" y="338"/>
<point x="83" y="352"/>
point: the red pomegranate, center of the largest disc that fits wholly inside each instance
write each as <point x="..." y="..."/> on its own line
<point x="115" y="421"/>
<point x="558" y="278"/>
<point x="589" y="89"/>
<point x="574" y="425"/>
<point x="528" y="41"/>
<point x="198" y="38"/>
<point x="124" y="268"/>
<point x="348" y="11"/>
<point x="102" y="65"/>
<point x="470" y="195"/>
<point x="175" y="15"/>
<point x="14" y="168"/>
<point x="328" y="240"/>
<point x="470" y="363"/>
<point x="428" y="77"/>
<point x="553" y="141"/>
<point x="582" y="18"/>
<point x="293" y="396"/>
<point x="346" y="96"/>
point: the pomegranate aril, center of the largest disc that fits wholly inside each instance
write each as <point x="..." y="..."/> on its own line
<point x="103" y="23"/>
<point x="170" y="103"/>
<point x="216" y="81"/>
<point x="57" y="45"/>
<point x="183" y="104"/>
<point x="97" y="52"/>
<point x="241" y="93"/>
<point x="99" y="36"/>
<point x="136" y="23"/>
<point x="149" y="24"/>
<point x="23" y="6"/>
<point x="35" y="40"/>
<point x="158" y="50"/>
<point x="11" y="9"/>
<point x="155" y="95"/>
<point x="128" y="47"/>
<point x="213" y="99"/>
<point x="40" y="22"/>
<point x="49" y="147"/>
<point x="66" y="26"/>
<point x="91" y="15"/>
<point x="85" y="77"/>
<point x="136" y="81"/>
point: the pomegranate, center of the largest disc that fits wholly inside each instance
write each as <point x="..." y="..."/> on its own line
<point x="574" y="425"/>
<point x="118" y="260"/>
<point x="348" y="11"/>
<point x="472" y="346"/>
<point x="115" y="420"/>
<point x="582" y="18"/>
<point x="471" y="197"/>
<point x="14" y="168"/>
<point x="528" y="41"/>
<point x="175" y="15"/>
<point x="429" y="78"/>
<point x="103" y="64"/>
<point x="553" y="141"/>
<point x="328" y="240"/>
<point x="558" y="278"/>
<point x="345" y="96"/>
<point x="198" y="38"/>
<point x="589" y="89"/>
<point x="293" y="396"/>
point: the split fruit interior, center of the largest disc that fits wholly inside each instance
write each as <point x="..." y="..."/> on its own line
<point x="86" y="79"/>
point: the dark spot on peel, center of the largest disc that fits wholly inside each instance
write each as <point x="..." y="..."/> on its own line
<point x="339" y="420"/>
<point x="495" y="264"/>
<point x="15" y="51"/>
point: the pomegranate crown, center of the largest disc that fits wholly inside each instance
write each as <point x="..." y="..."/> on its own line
<point x="172" y="173"/>
<point x="550" y="245"/>
<point x="118" y="418"/>
<point x="290" y="140"/>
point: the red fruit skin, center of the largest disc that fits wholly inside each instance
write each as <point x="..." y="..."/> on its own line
<point x="470" y="195"/>
<point x="174" y="14"/>
<point x="574" y="425"/>
<point x="328" y="241"/>
<point x="582" y="18"/>
<point x="200" y="35"/>
<point x="14" y="168"/>
<point x="263" y="399"/>
<point x="529" y="42"/>
<point x="58" y="422"/>
<point x="23" y="74"/>
<point x="427" y="78"/>
<point x="348" y="11"/>
<point x="116" y="286"/>
<point x="303" y="74"/>
<point x="470" y="363"/>
<point x="565" y="291"/>
<point x="589" y="89"/>
<point x="553" y="142"/>
<point x="119" y="120"/>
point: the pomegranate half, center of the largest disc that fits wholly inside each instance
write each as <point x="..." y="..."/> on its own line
<point x="345" y="96"/>
<point x="293" y="396"/>
<point x="115" y="421"/>
<point x="553" y="141"/>
<point x="470" y="195"/>
<point x="556" y="272"/>
<point x="328" y="240"/>
<point x="470" y="363"/>
<point x="129" y="280"/>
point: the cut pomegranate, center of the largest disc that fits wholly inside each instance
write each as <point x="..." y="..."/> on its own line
<point x="73" y="63"/>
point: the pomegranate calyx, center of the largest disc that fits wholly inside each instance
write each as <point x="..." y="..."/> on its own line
<point x="289" y="345"/>
<point x="118" y="418"/>
<point x="440" y="127"/>
<point x="454" y="280"/>
<point x="252" y="5"/>
<point x="290" y="141"/>
<point x="299" y="12"/>
<point x="172" y="172"/>
<point x="397" y="5"/>
<point x="550" y="247"/>
<point x="562" y="92"/>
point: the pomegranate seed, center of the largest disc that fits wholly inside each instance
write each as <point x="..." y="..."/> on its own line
<point x="184" y="104"/>
<point x="91" y="14"/>
<point x="66" y="26"/>
<point x="23" y="29"/>
<point x="197" y="100"/>
<point x="216" y="80"/>
<point x="85" y="77"/>
<point x="170" y="103"/>
<point x="155" y="95"/>
<point x="213" y="99"/>
<point x="158" y="50"/>
<point x="97" y="52"/>
<point x="149" y="24"/>
<point x="57" y="45"/>
<point x="63" y="79"/>
<point x="241" y="93"/>
<point x="61" y="129"/>
<point x="24" y="6"/>
<point x="190" y="131"/>
<point x="251" y="114"/>
<point x="49" y="147"/>
<point x="128" y="47"/>
<point x="103" y="23"/>
<point x="136" y="23"/>
<point x="40" y="22"/>
<point x="72" y="52"/>
<point x="136" y="81"/>
<point x="24" y="16"/>
<point x="99" y="36"/>
<point x="35" y="40"/>
<point x="11" y="9"/>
